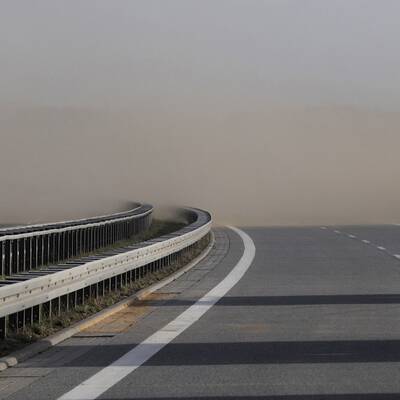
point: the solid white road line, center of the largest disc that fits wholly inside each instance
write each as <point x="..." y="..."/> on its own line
<point x="118" y="370"/>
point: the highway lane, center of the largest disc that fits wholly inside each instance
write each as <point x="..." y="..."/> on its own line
<point x="317" y="316"/>
<point x="384" y="237"/>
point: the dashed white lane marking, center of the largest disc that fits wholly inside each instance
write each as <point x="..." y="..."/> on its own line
<point x="381" y="248"/>
<point x="118" y="370"/>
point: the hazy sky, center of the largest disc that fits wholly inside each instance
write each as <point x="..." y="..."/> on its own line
<point x="117" y="53"/>
<point x="264" y="112"/>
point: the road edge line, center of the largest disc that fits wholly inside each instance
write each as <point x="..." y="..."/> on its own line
<point x="108" y="376"/>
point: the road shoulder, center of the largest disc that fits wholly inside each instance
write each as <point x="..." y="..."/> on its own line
<point x="77" y="358"/>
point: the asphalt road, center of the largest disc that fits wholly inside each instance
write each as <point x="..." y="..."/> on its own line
<point x="316" y="316"/>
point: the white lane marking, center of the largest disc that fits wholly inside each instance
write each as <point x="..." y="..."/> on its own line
<point x="324" y="227"/>
<point x="368" y="242"/>
<point x="109" y="376"/>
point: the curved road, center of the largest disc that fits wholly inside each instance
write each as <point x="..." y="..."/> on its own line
<point x="316" y="316"/>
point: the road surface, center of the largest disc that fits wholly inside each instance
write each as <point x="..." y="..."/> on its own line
<point x="315" y="316"/>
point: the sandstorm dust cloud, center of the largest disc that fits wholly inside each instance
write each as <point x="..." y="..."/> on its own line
<point x="262" y="167"/>
<point x="265" y="112"/>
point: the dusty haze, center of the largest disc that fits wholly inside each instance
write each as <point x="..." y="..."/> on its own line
<point x="264" y="112"/>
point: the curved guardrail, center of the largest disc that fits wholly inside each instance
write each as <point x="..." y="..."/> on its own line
<point x="27" y="302"/>
<point x="14" y="230"/>
<point x="26" y="248"/>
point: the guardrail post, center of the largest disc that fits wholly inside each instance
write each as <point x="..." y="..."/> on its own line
<point x="63" y="246"/>
<point x="36" y="251"/>
<point x="76" y="251"/>
<point x="84" y="240"/>
<point x="53" y="248"/>
<point x="11" y="258"/>
<point x="3" y="258"/>
<point x="58" y="306"/>
<point x="44" y="247"/>
<point x="30" y="253"/>
<point x="41" y="250"/>
<point x="68" y="244"/>
<point x="80" y="241"/>
<point x="48" y="249"/>
<point x="16" y="244"/>
<point x="90" y="239"/>
<point x="91" y="230"/>
<point x="58" y="251"/>
<point x="24" y="254"/>
<point x="71" y="244"/>
<point x="97" y="241"/>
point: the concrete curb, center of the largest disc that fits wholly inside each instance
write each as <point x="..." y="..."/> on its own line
<point x="44" y="344"/>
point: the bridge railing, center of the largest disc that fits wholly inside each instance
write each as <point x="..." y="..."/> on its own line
<point x="26" y="248"/>
<point x="28" y="302"/>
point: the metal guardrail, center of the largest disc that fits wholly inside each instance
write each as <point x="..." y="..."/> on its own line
<point x="28" y="302"/>
<point x="27" y="248"/>
<point x="15" y="229"/>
